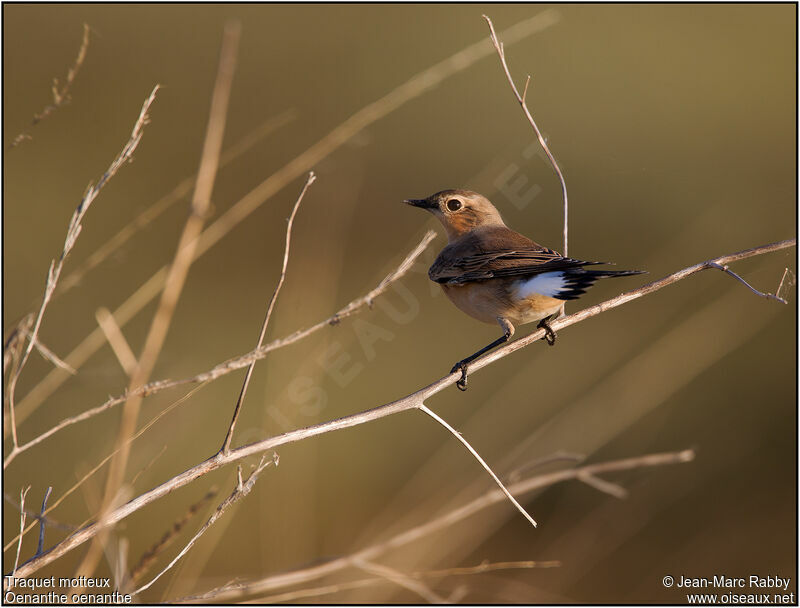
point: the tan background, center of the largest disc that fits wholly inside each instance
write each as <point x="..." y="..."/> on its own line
<point x="675" y="127"/>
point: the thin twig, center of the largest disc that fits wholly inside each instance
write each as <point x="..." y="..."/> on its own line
<point x="40" y="546"/>
<point x="241" y="490"/>
<point x="49" y="355"/>
<point x="412" y="401"/>
<point x="769" y="296"/>
<point x="236" y="363"/>
<point x="179" y="270"/>
<point x="418" y="84"/>
<point x="459" y="514"/>
<point x="401" y="579"/>
<point x="116" y="339"/>
<point x="226" y="445"/>
<point x="602" y="485"/>
<point x="521" y="99"/>
<point x="487" y="566"/>
<point x="784" y="283"/>
<point x="60" y="95"/>
<point x="22" y="517"/>
<point x="72" y="235"/>
<point x="477" y="456"/>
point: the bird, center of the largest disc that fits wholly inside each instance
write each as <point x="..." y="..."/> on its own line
<point x="497" y="275"/>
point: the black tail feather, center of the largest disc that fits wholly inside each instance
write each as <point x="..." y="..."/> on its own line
<point x="577" y="281"/>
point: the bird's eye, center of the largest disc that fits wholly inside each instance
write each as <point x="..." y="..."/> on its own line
<point x="454" y="204"/>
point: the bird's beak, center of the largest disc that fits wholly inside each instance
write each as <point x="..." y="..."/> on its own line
<point x="422" y="203"/>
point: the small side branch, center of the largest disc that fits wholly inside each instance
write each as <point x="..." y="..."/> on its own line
<point x="226" y="445"/>
<point x="477" y="456"/>
<point x="542" y="141"/>
<point x="768" y="296"/>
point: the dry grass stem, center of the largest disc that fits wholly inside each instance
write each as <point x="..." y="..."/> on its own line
<point x="482" y="462"/>
<point x="72" y="235"/>
<point x="226" y="445"/>
<point x="236" y="363"/>
<point x="241" y="490"/>
<point x="523" y="104"/>
<point x="412" y="401"/>
<point x="295" y="577"/>
<point x="22" y="517"/>
<point x="116" y="340"/>
<point x="179" y="270"/>
<point x="418" y="84"/>
<point x="60" y="93"/>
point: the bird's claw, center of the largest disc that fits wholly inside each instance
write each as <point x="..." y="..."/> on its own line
<point x="549" y="334"/>
<point x="461" y="383"/>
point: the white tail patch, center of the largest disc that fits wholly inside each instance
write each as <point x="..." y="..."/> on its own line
<point x="547" y="284"/>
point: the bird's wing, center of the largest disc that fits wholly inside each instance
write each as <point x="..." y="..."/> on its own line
<point x="512" y="263"/>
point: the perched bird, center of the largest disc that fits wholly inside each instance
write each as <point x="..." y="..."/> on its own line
<point x="496" y="275"/>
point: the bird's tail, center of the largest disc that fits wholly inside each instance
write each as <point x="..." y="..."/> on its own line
<point x="577" y="281"/>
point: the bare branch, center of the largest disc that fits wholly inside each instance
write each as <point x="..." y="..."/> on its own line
<point x="477" y="456"/>
<point x="412" y="401"/>
<point x="232" y="365"/>
<point x="226" y="445"/>
<point x="521" y="99"/>
<point x="459" y="514"/>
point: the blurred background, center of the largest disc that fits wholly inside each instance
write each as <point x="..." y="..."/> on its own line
<point x="675" y="126"/>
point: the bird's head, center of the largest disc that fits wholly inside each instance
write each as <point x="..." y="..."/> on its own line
<point x="459" y="211"/>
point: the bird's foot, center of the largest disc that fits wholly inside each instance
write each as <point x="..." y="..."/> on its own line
<point x="461" y="383"/>
<point x="549" y="334"/>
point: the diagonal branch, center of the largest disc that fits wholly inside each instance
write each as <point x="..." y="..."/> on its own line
<point x="413" y="401"/>
<point x="236" y="363"/>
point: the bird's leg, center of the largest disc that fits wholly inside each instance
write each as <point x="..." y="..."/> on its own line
<point x="549" y="334"/>
<point x="508" y="331"/>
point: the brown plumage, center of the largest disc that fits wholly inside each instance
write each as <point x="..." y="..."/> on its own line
<point x="497" y="275"/>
